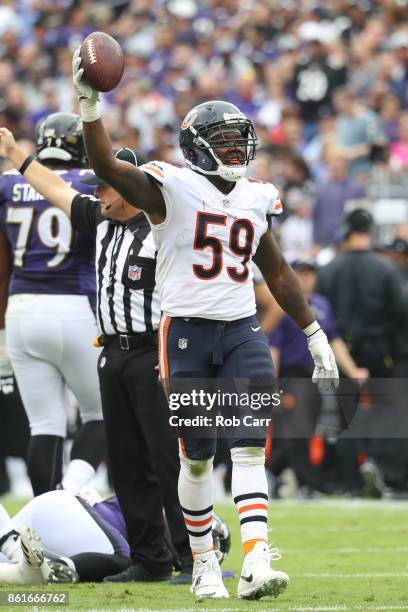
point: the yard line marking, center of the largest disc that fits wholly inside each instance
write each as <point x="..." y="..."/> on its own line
<point x="320" y="529"/>
<point x="388" y="504"/>
<point x="321" y="608"/>
<point x="328" y="608"/>
<point x="372" y="549"/>
<point x="340" y="575"/>
<point x="350" y="550"/>
<point x="348" y="608"/>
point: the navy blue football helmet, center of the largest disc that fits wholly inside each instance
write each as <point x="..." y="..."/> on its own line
<point x="59" y="138"/>
<point x="204" y="130"/>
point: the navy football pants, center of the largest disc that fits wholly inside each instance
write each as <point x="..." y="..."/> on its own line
<point x="216" y="356"/>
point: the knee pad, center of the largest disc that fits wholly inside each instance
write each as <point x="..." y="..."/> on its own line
<point x="199" y="468"/>
<point x="248" y="455"/>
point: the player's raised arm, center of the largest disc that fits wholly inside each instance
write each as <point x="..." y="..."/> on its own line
<point x="285" y="288"/>
<point x="132" y="184"/>
<point x="46" y="182"/>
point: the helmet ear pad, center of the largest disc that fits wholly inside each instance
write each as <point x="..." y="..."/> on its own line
<point x="205" y="160"/>
<point x="200" y="157"/>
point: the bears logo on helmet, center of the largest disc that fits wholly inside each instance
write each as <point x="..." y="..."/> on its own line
<point x="189" y="120"/>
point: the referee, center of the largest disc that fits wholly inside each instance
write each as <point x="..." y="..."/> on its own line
<point x="141" y="445"/>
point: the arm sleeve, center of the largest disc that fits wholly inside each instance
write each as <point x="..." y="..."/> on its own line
<point x="85" y="215"/>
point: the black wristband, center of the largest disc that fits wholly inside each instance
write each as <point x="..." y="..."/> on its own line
<point x="26" y="163"/>
<point x="13" y="533"/>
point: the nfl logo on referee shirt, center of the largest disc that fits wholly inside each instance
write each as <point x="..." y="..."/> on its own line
<point x="134" y="273"/>
<point x="182" y="343"/>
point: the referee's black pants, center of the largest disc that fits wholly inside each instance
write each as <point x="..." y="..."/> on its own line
<point x="142" y="452"/>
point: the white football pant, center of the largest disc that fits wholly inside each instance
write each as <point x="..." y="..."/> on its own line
<point x="49" y="342"/>
<point x="63" y="524"/>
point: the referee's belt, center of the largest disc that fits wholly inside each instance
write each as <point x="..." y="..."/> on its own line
<point x="127" y="342"/>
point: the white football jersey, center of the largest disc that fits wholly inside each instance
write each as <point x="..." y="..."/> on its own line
<point x="205" y="244"/>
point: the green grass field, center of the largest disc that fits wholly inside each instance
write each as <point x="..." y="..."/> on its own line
<point x="339" y="555"/>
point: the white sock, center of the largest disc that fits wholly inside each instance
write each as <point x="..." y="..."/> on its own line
<point x="249" y="489"/>
<point x="10" y="573"/>
<point x="78" y="473"/>
<point x="196" y="500"/>
<point x="20" y="573"/>
<point x="205" y="555"/>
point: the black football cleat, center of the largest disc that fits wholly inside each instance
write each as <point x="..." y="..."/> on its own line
<point x="184" y="577"/>
<point x="137" y="573"/>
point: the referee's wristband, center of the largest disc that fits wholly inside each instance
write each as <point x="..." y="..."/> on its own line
<point x="311" y="329"/>
<point x="25" y="164"/>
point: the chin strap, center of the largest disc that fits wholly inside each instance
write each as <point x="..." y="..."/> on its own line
<point x="231" y="173"/>
<point x="228" y="173"/>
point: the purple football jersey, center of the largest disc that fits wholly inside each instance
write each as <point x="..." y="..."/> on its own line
<point x="291" y="341"/>
<point x="109" y="510"/>
<point x="48" y="255"/>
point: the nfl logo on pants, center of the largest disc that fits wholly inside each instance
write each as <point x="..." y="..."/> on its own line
<point x="182" y="343"/>
<point x="134" y="273"/>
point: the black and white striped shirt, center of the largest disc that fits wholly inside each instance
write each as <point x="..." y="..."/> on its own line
<point x="127" y="297"/>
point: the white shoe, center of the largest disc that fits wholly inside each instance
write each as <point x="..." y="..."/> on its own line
<point x="52" y="571"/>
<point x="207" y="578"/>
<point x="32" y="548"/>
<point x="32" y="557"/>
<point x="258" y="579"/>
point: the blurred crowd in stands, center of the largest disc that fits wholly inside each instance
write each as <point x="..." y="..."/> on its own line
<point x="326" y="85"/>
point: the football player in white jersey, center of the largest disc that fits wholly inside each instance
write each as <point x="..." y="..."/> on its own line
<point x="61" y="537"/>
<point x="208" y="221"/>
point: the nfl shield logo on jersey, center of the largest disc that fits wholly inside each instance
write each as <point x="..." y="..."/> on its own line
<point x="134" y="273"/>
<point x="182" y="343"/>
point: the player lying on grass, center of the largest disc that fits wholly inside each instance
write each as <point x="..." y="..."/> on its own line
<point x="61" y="537"/>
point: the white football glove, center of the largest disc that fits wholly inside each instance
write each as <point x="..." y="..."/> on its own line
<point x="87" y="96"/>
<point x="325" y="370"/>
